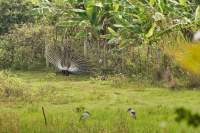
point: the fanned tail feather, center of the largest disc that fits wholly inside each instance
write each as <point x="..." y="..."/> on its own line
<point x="65" y="60"/>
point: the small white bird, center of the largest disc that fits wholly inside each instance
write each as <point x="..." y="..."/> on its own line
<point x="132" y="112"/>
<point x="85" y="115"/>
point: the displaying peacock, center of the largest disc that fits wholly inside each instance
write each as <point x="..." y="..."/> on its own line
<point x="67" y="61"/>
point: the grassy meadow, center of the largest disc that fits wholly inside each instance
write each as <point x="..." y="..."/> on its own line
<point x="64" y="98"/>
<point x="146" y="50"/>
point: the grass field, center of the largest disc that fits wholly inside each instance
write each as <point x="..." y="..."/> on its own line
<point x="107" y="101"/>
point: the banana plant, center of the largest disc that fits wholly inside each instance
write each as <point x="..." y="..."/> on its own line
<point x="128" y="21"/>
<point x="95" y="15"/>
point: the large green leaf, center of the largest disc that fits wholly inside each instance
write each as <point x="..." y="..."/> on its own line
<point x="183" y="2"/>
<point x="152" y="2"/>
<point x="151" y="30"/>
<point x="112" y="31"/>
<point x="116" y="6"/>
<point x="197" y="14"/>
<point x="162" y="4"/>
<point x="91" y="10"/>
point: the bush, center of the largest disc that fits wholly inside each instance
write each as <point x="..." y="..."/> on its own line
<point x="14" y="12"/>
<point x="24" y="47"/>
<point x="11" y="86"/>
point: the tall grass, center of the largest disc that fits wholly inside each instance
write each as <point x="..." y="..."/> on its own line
<point x="11" y="87"/>
<point x="65" y="98"/>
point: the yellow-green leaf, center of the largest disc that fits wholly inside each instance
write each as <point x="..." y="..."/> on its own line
<point x="182" y="2"/>
<point x="151" y="30"/>
<point x="197" y="14"/>
<point x="152" y="2"/>
<point x="112" y="31"/>
<point x="116" y="7"/>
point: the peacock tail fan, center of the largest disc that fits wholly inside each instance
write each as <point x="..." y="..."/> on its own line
<point x="65" y="59"/>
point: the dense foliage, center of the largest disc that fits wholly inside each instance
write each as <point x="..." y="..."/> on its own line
<point x="14" y="12"/>
<point x="129" y="37"/>
<point x="24" y="47"/>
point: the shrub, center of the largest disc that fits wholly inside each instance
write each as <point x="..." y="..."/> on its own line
<point x="14" y="12"/>
<point x="10" y="86"/>
<point x="24" y="47"/>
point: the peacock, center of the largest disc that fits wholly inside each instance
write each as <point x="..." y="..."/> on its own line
<point x="65" y="60"/>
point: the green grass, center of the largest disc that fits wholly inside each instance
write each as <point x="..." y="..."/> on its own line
<point x="107" y="101"/>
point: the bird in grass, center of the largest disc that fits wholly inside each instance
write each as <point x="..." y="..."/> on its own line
<point x="67" y="61"/>
<point x="132" y="112"/>
<point x="85" y="115"/>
